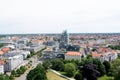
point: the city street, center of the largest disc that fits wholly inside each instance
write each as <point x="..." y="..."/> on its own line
<point x="35" y="63"/>
<point x="23" y="77"/>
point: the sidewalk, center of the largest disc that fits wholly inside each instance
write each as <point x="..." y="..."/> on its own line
<point x="23" y="76"/>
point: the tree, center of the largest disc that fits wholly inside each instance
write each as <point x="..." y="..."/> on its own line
<point x="18" y="72"/>
<point x="57" y="64"/>
<point x="111" y="72"/>
<point x="13" y="73"/>
<point x="116" y="69"/>
<point x="5" y="77"/>
<point x="88" y="61"/>
<point x="94" y="49"/>
<point x="46" y="64"/>
<point x="28" y="56"/>
<point x="22" y="68"/>
<point x="115" y="64"/>
<point x="11" y="77"/>
<point x="96" y="61"/>
<point x="101" y="69"/>
<point x="116" y="47"/>
<point x="117" y="75"/>
<point x="1" y="45"/>
<point x="78" y="76"/>
<point x="37" y="73"/>
<point x="100" y="66"/>
<point x="89" y="56"/>
<point x="70" y="69"/>
<point x="90" y="72"/>
<point x="107" y="66"/>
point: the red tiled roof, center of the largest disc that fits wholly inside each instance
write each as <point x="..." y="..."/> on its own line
<point x="37" y="41"/>
<point x="14" y="38"/>
<point x="5" y="49"/>
<point x="1" y="52"/>
<point x="101" y="50"/>
<point x="73" y="53"/>
<point x="2" y="62"/>
<point x="113" y="52"/>
<point x="95" y="54"/>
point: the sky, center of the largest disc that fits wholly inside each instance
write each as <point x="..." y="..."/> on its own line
<point x="54" y="16"/>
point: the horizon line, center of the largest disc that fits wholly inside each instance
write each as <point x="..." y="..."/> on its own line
<point x="61" y="33"/>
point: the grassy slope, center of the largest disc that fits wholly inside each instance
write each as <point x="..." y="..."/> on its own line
<point x="106" y="78"/>
<point x="53" y="76"/>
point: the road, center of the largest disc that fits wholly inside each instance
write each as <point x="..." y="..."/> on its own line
<point x="36" y="62"/>
<point x="23" y="77"/>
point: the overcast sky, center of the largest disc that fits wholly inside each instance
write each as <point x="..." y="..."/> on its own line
<point x="54" y="16"/>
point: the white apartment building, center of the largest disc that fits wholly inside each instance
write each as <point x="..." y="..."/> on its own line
<point x="108" y="56"/>
<point x="13" y="62"/>
<point x="2" y="63"/>
<point x="22" y="52"/>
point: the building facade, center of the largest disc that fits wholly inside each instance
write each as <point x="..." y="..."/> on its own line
<point x="73" y="56"/>
<point x="13" y="62"/>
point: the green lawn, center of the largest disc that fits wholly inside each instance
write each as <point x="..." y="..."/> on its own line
<point x="105" y="78"/>
<point x="53" y="76"/>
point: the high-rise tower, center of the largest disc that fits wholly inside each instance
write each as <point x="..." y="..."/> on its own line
<point x="64" y="39"/>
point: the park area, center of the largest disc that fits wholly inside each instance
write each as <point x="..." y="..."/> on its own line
<point x="52" y="76"/>
<point x="105" y="78"/>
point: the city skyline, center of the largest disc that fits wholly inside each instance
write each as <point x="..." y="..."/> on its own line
<point x="52" y="16"/>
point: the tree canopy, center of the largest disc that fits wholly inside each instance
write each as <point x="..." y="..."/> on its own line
<point x="90" y="72"/>
<point x="78" y="76"/>
<point x="57" y="64"/>
<point x="38" y="73"/>
<point x="46" y="64"/>
<point x="116" y="69"/>
<point x="5" y="77"/>
<point x="70" y="69"/>
<point x="107" y="66"/>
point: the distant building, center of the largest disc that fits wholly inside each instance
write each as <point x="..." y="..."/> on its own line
<point x="73" y="48"/>
<point x="36" y="42"/>
<point x="73" y="55"/>
<point x="5" y="49"/>
<point x="48" y="53"/>
<point x="64" y="39"/>
<point x="23" y="41"/>
<point x="20" y="46"/>
<point x="11" y="46"/>
<point x="105" y="54"/>
<point x="34" y="48"/>
<point x="49" y="43"/>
